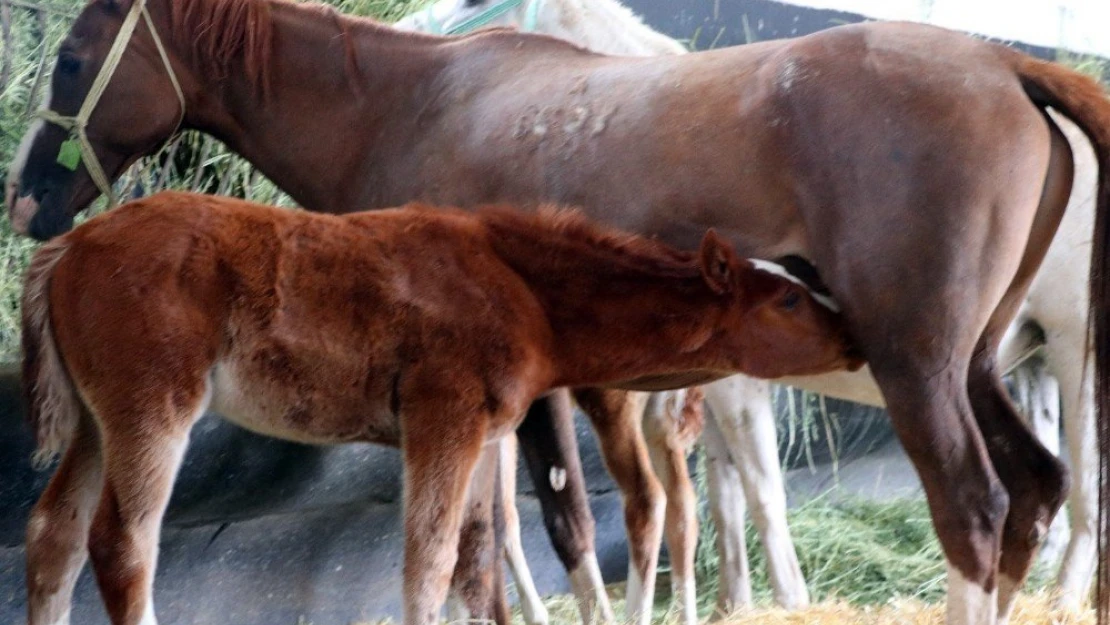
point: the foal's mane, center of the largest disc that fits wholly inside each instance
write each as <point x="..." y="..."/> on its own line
<point x="565" y="236"/>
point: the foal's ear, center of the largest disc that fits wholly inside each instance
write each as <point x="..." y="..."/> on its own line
<point x="718" y="263"/>
<point x="121" y="6"/>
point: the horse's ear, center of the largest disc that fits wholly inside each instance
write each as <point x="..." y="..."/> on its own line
<point x="718" y="263"/>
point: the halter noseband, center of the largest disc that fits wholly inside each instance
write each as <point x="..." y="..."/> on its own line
<point x="485" y="17"/>
<point x="77" y="147"/>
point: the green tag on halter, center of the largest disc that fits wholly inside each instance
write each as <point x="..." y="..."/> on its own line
<point x="69" y="154"/>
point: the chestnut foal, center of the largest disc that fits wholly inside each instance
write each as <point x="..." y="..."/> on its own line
<point x="427" y="329"/>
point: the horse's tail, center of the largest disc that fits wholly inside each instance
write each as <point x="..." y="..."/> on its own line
<point x="1083" y="101"/>
<point x="51" y="401"/>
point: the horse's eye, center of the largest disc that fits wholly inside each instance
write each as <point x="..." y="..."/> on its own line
<point x="68" y="64"/>
<point x="791" y="300"/>
<point x="470" y="4"/>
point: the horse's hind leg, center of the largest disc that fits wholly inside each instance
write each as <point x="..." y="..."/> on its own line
<point x="143" y="445"/>
<point x="58" y="531"/>
<point x="741" y="407"/>
<point x="616" y="417"/>
<point x="669" y="448"/>
<point x="1035" y="479"/>
<point x="1077" y="393"/>
<point x="550" y="451"/>
<point x="726" y="504"/>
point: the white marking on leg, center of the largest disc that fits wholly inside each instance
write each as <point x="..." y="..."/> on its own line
<point x="457" y="611"/>
<point x="686" y="595"/>
<point x="558" y="478"/>
<point x="589" y="588"/>
<point x="968" y="603"/>
<point x="148" y="612"/>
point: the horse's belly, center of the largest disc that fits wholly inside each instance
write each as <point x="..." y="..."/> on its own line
<point x="858" y="386"/>
<point x="299" y="412"/>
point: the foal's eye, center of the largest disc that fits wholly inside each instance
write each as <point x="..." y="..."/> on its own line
<point x="68" y="64"/>
<point x="791" y="300"/>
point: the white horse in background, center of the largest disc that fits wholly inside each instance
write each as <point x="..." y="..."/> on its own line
<point x="740" y="437"/>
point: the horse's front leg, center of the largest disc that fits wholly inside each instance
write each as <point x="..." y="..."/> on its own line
<point x="550" y="451"/>
<point x="440" y="455"/>
<point x="616" y="417"/>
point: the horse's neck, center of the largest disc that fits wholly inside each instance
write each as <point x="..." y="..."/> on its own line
<point x="328" y="80"/>
<point x="603" y="26"/>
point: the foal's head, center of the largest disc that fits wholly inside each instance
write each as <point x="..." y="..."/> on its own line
<point x="777" y="325"/>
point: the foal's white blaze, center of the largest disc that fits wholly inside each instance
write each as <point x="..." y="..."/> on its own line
<point x="21" y="210"/>
<point x="968" y="603"/>
<point x="589" y="589"/>
<point x="780" y="271"/>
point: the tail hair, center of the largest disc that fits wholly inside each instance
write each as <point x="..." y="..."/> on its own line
<point x="50" y="399"/>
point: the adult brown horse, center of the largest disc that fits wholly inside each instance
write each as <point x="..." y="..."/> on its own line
<point x="914" y="166"/>
<point x="425" y="329"/>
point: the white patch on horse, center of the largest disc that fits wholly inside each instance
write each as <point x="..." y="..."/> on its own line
<point x="558" y="478"/>
<point x="778" y="270"/>
<point x="969" y="603"/>
<point x="589" y="590"/>
<point x="19" y="162"/>
<point x="787" y="74"/>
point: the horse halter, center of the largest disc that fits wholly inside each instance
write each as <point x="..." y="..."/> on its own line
<point x="77" y="147"/>
<point x="485" y="17"/>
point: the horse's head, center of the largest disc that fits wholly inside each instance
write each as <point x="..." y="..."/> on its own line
<point x="778" y="325"/>
<point x="140" y="107"/>
<point x="458" y="17"/>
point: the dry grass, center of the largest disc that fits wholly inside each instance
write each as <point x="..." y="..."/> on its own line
<point x="1031" y="610"/>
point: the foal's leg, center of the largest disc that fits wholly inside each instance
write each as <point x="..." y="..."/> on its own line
<point x="669" y="450"/>
<point x="478" y="585"/>
<point x="550" y="451"/>
<point x="58" y="530"/>
<point x="143" y="446"/>
<point x="741" y="407"/>
<point x="439" y="464"/>
<point x="531" y="606"/>
<point x="616" y="418"/>
<point x="726" y="504"/>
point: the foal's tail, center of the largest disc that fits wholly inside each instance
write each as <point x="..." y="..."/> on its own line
<point x="1083" y="101"/>
<point x="51" y="402"/>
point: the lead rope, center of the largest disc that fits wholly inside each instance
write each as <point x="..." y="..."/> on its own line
<point x="485" y="17"/>
<point x="77" y="147"/>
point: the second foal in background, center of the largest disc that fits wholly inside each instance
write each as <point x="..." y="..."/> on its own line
<point x="740" y="437"/>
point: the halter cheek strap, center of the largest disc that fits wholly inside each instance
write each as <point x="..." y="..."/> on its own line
<point x="531" y="16"/>
<point x="77" y="147"/>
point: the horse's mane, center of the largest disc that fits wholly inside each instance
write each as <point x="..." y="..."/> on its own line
<point x="564" y="235"/>
<point x="219" y="31"/>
